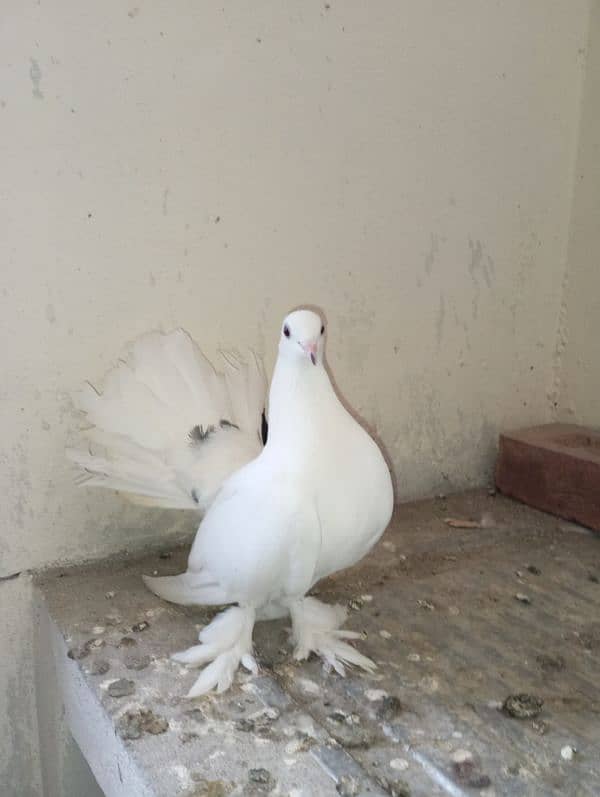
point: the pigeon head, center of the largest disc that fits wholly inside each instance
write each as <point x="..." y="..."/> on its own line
<point x="303" y="337"/>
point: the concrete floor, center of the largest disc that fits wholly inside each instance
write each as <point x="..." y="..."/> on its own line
<point x="458" y="620"/>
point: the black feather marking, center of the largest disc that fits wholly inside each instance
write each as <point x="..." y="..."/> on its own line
<point x="195" y="495"/>
<point x="264" y="428"/>
<point x="224" y="424"/>
<point x="198" y="434"/>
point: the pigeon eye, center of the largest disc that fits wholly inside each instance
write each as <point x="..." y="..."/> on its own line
<point x="322" y="329"/>
<point x="286" y="331"/>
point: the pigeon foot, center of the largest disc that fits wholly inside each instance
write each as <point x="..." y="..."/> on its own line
<point x="316" y="629"/>
<point x="225" y="643"/>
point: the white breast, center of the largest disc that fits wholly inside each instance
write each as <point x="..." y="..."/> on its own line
<point x="340" y="469"/>
<point x="354" y="499"/>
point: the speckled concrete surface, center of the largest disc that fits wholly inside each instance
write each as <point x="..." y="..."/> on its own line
<point x="458" y="619"/>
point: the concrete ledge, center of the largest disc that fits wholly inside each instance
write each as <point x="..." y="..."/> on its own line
<point x="438" y="604"/>
<point x="92" y="727"/>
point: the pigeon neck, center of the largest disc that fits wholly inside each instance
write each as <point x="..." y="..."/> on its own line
<point x="298" y="390"/>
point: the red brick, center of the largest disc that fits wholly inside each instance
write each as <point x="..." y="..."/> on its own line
<point x="556" y="468"/>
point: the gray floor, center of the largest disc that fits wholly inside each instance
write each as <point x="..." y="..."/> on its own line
<point x="441" y="617"/>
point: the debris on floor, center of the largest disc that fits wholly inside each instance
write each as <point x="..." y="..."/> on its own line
<point x="486" y="522"/>
<point x="121" y="688"/>
<point x="522" y="598"/>
<point x="523" y="706"/>
<point x="133" y="724"/>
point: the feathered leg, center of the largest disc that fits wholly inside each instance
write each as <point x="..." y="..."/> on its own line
<point x="272" y="611"/>
<point x="226" y="643"/>
<point x="316" y="629"/>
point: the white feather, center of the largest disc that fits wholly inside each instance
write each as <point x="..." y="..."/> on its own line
<point x="140" y="423"/>
<point x="187" y="589"/>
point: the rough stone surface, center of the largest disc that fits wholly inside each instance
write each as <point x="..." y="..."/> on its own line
<point x="133" y="724"/>
<point x="260" y="781"/>
<point x="127" y="642"/>
<point x="121" y="688"/>
<point x="137" y="662"/>
<point x="348" y="786"/>
<point x="99" y="667"/>
<point x="442" y="678"/>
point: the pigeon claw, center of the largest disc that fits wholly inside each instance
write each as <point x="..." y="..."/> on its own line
<point x="316" y="630"/>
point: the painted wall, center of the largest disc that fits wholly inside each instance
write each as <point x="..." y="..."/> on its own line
<point x="405" y="165"/>
<point x="579" y="341"/>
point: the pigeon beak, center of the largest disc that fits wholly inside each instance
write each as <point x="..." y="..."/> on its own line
<point x="311" y="351"/>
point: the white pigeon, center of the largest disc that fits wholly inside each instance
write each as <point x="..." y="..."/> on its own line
<point x="313" y="501"/>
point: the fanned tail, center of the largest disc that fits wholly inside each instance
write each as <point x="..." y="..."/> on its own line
<point x="167" y="428"/>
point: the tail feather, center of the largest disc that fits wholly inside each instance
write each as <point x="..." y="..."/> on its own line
<point x="140" y="423"/>
<point x="206" y="387"/>
<point x="126" y="407"/>
<point x="246" y="384"/>
<point x="187" y="589"/>
<point x="131" y="470"/>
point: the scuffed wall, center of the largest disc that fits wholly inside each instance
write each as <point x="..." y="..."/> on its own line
<point x="578" y="354"/>
<point x="405" y="165"/>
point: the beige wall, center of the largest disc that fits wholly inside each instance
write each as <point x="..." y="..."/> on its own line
<point x="579" y="341"/>
<point x="406" y="165"/>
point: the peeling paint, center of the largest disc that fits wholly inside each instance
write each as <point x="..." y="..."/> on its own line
<point x="35" y="73"/>
<point x="432" y="254"/>
<point x="480" y="264"/>
<point x="439" y="322"/>
<point x="562" y="339"/>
